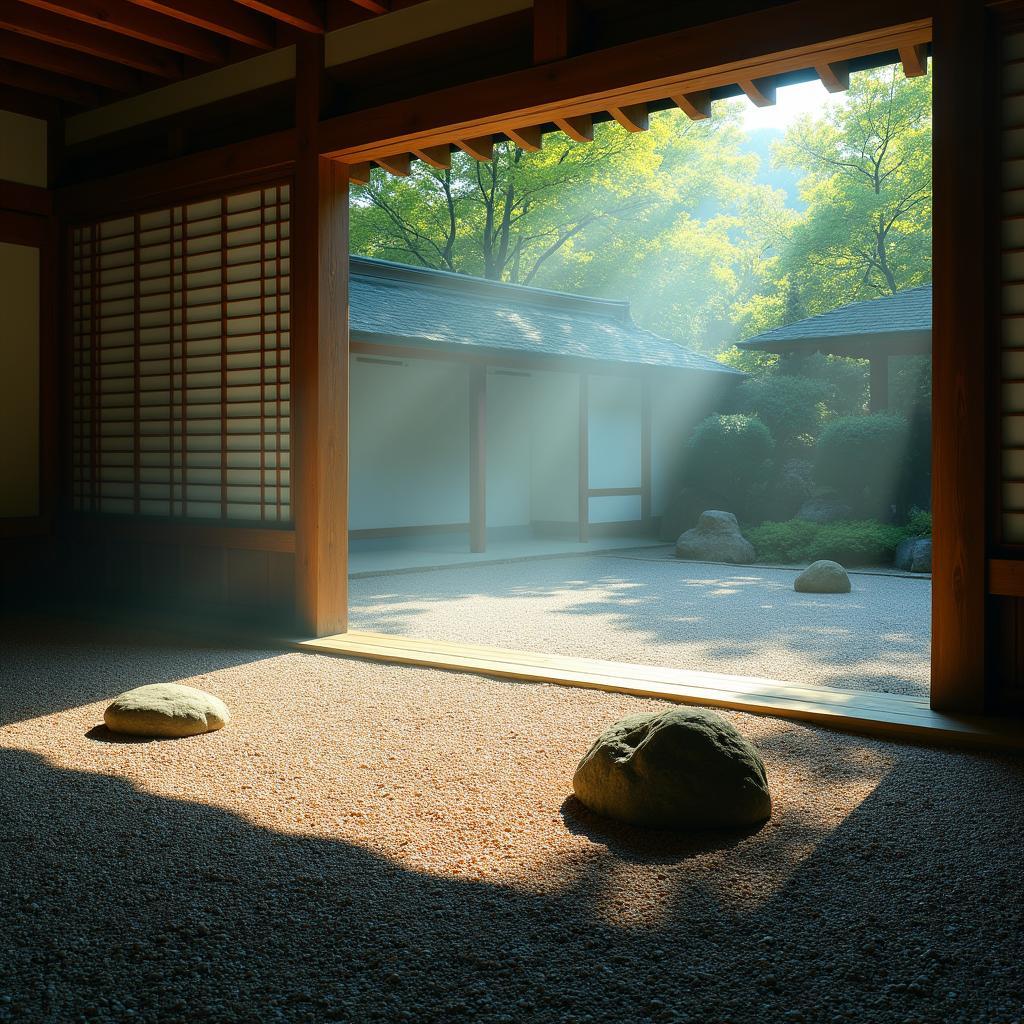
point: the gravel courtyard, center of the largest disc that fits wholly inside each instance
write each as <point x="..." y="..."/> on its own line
<point x="381" y="843"/>
<point x="648" y="608"/>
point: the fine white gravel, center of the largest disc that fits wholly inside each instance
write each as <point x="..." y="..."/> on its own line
<point x="366" y="842"/>
<point x="652" y="610"/>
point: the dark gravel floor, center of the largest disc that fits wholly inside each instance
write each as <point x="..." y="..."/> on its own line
<point x="379" y="843"/>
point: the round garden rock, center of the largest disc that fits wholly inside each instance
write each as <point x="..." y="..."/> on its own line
<point x="166" y="709"/>
<point x="823" y="577"/>
<point x="681" y="769"/>
<point x="715" y="538"/>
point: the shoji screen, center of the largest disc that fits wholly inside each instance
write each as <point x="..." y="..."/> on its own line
<point x="1012" y="312"/>
<point x="182" y="361"/>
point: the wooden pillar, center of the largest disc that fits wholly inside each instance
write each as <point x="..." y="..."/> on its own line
<point x="962" y="112"/>
<point x="584" y="493"/>
<point x="477" y="458"/>
<point x="319" y="384"/>
<point x="878" y="387"/>
<point x="645" y="452"/>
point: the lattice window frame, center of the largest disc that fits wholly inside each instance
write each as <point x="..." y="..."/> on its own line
<point x="181" y="360"/>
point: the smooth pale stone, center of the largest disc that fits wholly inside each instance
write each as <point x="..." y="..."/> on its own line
<point x="166" y="709"/>
<point x="686" y="768"/>
<point x="823" y="577"/>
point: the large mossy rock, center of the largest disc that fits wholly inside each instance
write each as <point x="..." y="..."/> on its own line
<point x="681" y="769"/>
<point x="914" y="554"/>
<point x="823" y="577"/>
<point x="715" y="538"/>
<point x="166" y="709"/>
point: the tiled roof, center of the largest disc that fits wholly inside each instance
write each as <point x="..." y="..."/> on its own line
<point x="391" y="302"/>
<point x="892" y="320"/>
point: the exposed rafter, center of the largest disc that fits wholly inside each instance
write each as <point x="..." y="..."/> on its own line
<point x="400" y="164"/>
<point x="374" y="6"/>
<point x="633" y="118"/>
<point x="437" y="156"/>
<point x="914" y="60"/>
<point x="481" y="148"/>
<point x="29" y="79"/>
<point x="137" y="23"/>
<point x="835" y="77"/>
<point x="50" y="28"/>
<point x="528" y="139"/>
<point x="695" y="105"/>
<point x="760" y="91"/>
<point x="359" y="174"/>
<point x="62" y="61"/>
<point x="220" y="16"/>
<point x="301" y="14"/>
<point x="579" y="129"/>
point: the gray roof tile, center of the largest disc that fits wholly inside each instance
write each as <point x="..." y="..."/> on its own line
<point x="391" y="302"/>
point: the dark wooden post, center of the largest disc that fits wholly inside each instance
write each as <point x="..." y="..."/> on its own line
<point x="645" y="452"/>
<point x="962" y="114"/>
<point x="477" y="458"/>
<point x="319" y="387"/>
<point x="584" y="494"/>
<point x="878" y="394"/>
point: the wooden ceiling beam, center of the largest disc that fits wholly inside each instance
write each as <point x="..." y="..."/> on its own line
<point x="399" y="165"/>
<point x="555" y="29"/>
<point x="219" y="16"/>
<point x="835" y="77"/>
<point x="914" y="60"/>
<point x="137" y="23"/>
<point x="301" y="14"/>
<point x="61" y="61"/>
<point x="359" y="174"/>
<point x="58" y="31"/>
<point x="695" y="105"/>
<point x="528" y="139"/>
<point x="760" y="91"/>
<point x="437" y="156"/>
<point x="633" y="118"/>
<point x="373" y="6"/>
<point x="481" y="148"/>
<point x="579" y="129"/>
<point x="31" y="79"/>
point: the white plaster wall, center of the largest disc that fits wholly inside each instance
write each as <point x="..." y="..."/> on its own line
<point x="19" y="381"/>
<point x="509" y="449"/>
<point x="554" y="490"/>
<point x="22" y="149"/>
<point x="409" y="445"/>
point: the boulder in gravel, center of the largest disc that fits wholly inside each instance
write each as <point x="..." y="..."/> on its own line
<point x="715" y="538"/>
<point x="824" y="510"/>
<point x="823" y="577"/>
<point x="914" y="554"/>
<point x="166" y="709"/>
<point x="687" y="768"/>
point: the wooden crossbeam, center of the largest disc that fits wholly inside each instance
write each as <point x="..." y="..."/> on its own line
<point x="137" y="23"/>
<point x="633" y="118"/>
<point x="579" y="129"/>
<point x="300" y="14"/>
<point x="61" y="61"/>
<point x="437" y="156"/>
<point x="373" y="6"/>
<point x="835" y="77"/>
<point x="399" y="165"/>
<point x="49" y="28"/>
<point x="914" y="60"/>
<point x="695" y="105"/>
<point x="359" y="174"/>
<point x="555" y="26"/>
<point x="528" y="139"/>
<point x="220" y="16"/>
<point x="21" y="76"/>
<point x="760" y="91"/>
<point x="481" y="148"/>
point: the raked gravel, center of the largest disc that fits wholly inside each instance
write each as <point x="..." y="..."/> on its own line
<point x="382" y="843"/>
<point x="740" y="620"/>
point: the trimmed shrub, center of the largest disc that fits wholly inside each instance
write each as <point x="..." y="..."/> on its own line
<point x="854" y="542"/>
<point x="790" y="407"/>
<point x="728" y="458"/>
<point x="919" y="523"/>
<point x="861" y="458"/>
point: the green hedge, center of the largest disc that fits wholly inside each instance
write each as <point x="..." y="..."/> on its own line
<point x="855" y="542"/>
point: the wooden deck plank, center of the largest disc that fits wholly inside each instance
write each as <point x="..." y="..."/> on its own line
<point x="893" y="716"/>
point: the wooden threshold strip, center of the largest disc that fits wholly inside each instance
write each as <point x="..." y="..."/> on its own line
<point x="893" y="716"/>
